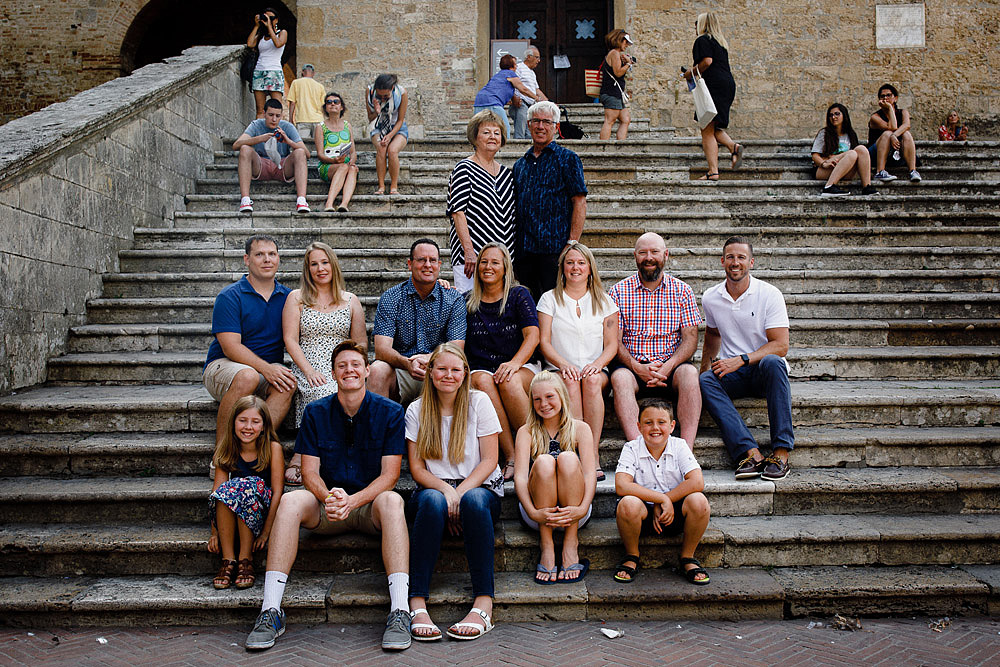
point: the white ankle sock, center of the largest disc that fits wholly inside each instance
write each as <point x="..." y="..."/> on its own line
<point x="274" y="589"/>
<point x="399" y="591"/>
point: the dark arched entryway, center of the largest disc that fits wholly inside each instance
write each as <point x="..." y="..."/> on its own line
<point x="573" y="28"/>
<point x="164" y="28"/>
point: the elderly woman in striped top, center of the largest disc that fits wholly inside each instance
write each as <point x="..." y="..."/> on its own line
<point x="480" y="198"/>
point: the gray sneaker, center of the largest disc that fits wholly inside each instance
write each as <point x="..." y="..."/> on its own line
<point x="397" y="631"/>
<point x="269" y="626"/>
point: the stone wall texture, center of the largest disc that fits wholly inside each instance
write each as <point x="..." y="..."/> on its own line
<point x="791" y="60"/>
<point x="77" y="177"/>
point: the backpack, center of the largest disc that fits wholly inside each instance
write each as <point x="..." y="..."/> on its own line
<point x="568" y="130"/>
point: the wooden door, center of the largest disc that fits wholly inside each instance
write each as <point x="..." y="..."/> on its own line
<point x="573" y="28"/>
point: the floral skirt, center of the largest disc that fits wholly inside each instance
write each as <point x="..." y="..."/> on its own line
<point x="272" y="80"/>
<point x="248" y="497"/>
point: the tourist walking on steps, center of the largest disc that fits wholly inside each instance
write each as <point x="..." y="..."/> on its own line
<point x="318" y="317"/>
<point x="305" y="102"/>
<point x="746" y="340"/>
<point x="710" y="54"/>
<point x="499" y="90"/>
<point x="837" y="155"/>
<point x="501" y="335"/>
<point x="249" y="478"/>
<point x="519" y="104"/>
<point x="554" y="478"/>
<point x="616" y="65"/>
<point x="386" y="102"/>
<point x="480" y="199"/>
<point x="270" y="149"/>
<point x="352" y="448"/>
<point x="451" y="438"/>
<point x="889" y="137"/>
<point x="338" y="156"/>
<point x="579" y="337"/>
<point x="269" y="40"/>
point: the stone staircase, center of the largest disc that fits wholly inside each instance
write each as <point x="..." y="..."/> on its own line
<point x="893" y="504"/>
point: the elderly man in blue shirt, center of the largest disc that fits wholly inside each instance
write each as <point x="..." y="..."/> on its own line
<point x="551" y="201"/>
<point x="412" y="319"/>
<point x="352" y="446"/>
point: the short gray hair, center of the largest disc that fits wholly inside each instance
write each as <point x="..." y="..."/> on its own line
<point x="533" y="49"/>
<point x="546" y="107"/>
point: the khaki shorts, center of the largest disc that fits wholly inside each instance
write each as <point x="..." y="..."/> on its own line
<point x="409" y="389"/>
<point x="219" y="376"/>
<point x="358" y="520"/>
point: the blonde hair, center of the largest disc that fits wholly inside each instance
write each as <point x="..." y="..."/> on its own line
<point x="308" y="290"/>
<point x="429" y="433"/>
<point x="598" y="299"/>
<point x="708" y="24"/>
<point x="485" y="117"/>
<point x="227" y="450"/>
<point x="566" y="433"/>
<point x="476" y="295"/>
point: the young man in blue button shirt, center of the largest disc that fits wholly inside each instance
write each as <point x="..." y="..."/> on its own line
<point x="411" y="320"/>
<point x="352" y="446"/>
<point x="551" y="201"/>
<point x="247" y="353"/>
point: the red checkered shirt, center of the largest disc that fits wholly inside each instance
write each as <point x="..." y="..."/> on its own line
<point x="651" y="320"/>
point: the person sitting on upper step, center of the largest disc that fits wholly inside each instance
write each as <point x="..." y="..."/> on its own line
<point x="746" y="340"/>
<point x="659" y="484"/>
<point x="889" y="138"/>
<point x="412" y="319"/>
<point x="247" y="353"/>
<point x="352" y="448"/>
<point x="451" y="438"/>
<point x="658" y="320"/>
<point x="837" y="154"/>
<point x="271" y="150"/>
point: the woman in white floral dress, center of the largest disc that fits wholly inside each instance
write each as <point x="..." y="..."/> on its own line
<point x="317" y="317"/>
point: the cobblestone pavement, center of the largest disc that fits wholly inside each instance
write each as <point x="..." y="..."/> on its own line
<point x="891" y="642"/>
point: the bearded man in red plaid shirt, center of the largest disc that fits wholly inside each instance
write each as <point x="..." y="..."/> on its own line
<point x="658" y="320"/>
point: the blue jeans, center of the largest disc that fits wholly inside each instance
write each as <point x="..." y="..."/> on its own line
<point x="479" y="509"/>
<point x="500" y="111"/>
<point x="767" y="379"/>
<point x="520" y="115"/>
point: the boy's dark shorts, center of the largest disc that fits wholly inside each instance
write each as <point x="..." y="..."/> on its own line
<point x="676" y="526"/>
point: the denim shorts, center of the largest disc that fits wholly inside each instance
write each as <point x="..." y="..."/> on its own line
<point x="611" y="102"/>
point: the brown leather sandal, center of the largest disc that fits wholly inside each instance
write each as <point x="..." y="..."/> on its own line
<point x="224" y="578"/>
<point x="245" y="576"/>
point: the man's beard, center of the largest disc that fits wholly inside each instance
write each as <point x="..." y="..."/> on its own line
<point x="650" y="274"/>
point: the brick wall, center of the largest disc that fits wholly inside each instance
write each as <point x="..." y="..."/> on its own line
<point x="77" y="177"/>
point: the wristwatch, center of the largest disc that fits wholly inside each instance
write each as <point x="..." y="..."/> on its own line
<point x="746" y="359"/>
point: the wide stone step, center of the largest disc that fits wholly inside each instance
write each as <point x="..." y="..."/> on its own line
<point x="852" y="363"/>
<point x="352" y="258"/>
<point x="64" y="549"/>
<point x="734" y="594"/>
<point x="707" y="198"/>
<point x="812" y="491"/>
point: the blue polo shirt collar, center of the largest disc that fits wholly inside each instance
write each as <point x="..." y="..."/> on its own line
<point x="550" y="148"/>
<point x="245" y="287"/>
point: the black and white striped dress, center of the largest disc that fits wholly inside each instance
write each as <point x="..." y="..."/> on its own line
<point x="488" y="204"/>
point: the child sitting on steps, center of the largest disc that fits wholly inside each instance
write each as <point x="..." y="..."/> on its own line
<point x="660" y="487"/>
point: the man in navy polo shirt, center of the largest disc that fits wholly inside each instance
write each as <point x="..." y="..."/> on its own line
<point x="412" y="319"/>
<point x="245" y="357"/>
<point x="551" y="201"/>
<point x="352" y="446"/>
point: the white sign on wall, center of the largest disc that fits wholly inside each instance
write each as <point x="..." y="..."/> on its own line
<point x="899" y="26"/>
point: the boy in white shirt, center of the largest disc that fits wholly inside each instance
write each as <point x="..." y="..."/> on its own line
<point x="660" y="485"/>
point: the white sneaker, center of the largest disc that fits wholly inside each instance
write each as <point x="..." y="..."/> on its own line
<point x="883" y="176"/>
<point x="915" y="176"/>
<point x="301" y="206"/>
<point x="246" y="205"/>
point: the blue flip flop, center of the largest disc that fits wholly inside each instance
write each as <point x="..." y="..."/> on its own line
<point x="583" y="566"/>
<point x="542" y="568"/>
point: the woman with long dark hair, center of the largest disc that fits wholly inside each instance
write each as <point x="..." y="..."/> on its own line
<point x="837" y="154"/>
<point x="338" y="157"/>
<point x="386" y="102"/>
<point x="269" y="40"/>
<point x="613" y="97"/>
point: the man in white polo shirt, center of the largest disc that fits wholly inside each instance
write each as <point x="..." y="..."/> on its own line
<point x="746" y="340"/>
<point x="519" y="103"/>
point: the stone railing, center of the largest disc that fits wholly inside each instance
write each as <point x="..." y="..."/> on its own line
<point x="78" y="176"/>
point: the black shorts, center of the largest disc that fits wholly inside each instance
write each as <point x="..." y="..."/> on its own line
<point x="676" y="527"/>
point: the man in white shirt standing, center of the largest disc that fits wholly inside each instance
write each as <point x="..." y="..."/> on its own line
<point x="519" y="104"/>
<point x="746" y="340"/>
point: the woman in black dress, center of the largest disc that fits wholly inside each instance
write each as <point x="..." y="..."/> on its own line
<point x="711" y="58"/>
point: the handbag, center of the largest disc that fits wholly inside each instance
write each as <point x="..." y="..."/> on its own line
<point x="593" y="78"/>
<point x="248" y="62"/>
<point x="704" y="105"/>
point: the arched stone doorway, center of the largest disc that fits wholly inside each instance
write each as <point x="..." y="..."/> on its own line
<point x="573" y="28"/>
<point x="164" y="28"/>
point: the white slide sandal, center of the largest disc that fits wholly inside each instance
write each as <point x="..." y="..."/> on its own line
<point x="483" y="629"/>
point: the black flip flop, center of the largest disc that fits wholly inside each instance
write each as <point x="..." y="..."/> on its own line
<point x="583" y="566"/>
<point x="627" y="569"/>
<point x="694" y="571"/>
<point x="542" y="568"/>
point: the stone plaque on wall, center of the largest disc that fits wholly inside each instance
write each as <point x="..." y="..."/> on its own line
<point x="899" y="26"/>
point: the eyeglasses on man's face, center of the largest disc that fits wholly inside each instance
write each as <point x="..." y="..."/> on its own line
<point x="541" y="121"/>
